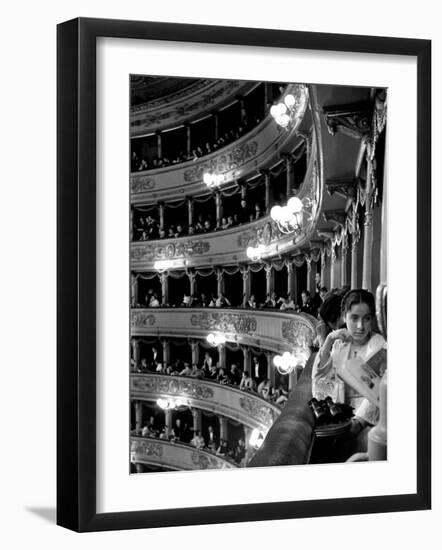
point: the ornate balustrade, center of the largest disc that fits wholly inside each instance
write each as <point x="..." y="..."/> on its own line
<point x="234" y="161"/>
<point x="175" y="456"/>
<point x="269" y="329"/>
<point x="230" y="245"/>
<point x="247" y="408"/>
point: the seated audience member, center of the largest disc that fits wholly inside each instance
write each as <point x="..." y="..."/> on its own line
<point x="264" y="389"/>
<point x="199" y="225"/>
<point x="212" y="373"/>
<point x="159" y="368"/>
<point x="230" y="222"/>
<point x="323" y="293"/>
<point x="186" y="302"/>
<point x="197" y="372"/>
<point x="240" y="451"/>
<point x="145" y="432"/>
<point x="162" y="234"/>
<point x="197" y="441"/>
<point x="191" y="230"/>
<point x="222" y="377"/>
<point x="176" y="432"/>
<point x="187" y="371"/>
<point x="251" y="302"/>
<point x="154" y="302"/>
<point x="144" y="367"/>
<point x="223" y="448"/>
<point x="179" y="231"/>
<point x="224" y="224"/>
<point x="222" y="301"/>
<point x="208" y="362"/>
<point x="247" y="383"/>
<point x="258" y="212"/>
<point x="306" y="305"/>
<point x="235" y="375"/>
<point x="207" y="226"/>
<point x="271" y="301"/>
<point x="171" y="232"/>
<point x="281" y="396"/>
<point x="203" y="301"/>
<point x="286" y="303"/>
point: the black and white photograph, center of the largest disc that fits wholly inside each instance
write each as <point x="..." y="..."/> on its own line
<point x="258" y="274"/>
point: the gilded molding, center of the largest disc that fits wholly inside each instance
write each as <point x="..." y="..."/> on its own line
<point x="169" y="250"/>
<point x="258" y="411"/>
<point x="298" y="332"/>
<point x="141" y="319"/>
<point x="141" y="184"/>
<point x="225" y="322"/>
<point x="160" y="384"/>
<point x="147" y="448"/>
<point x="230" y="160"/>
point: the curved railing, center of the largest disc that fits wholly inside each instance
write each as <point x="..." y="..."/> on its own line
<point x="273" y="330"/>
<point x="234" y="161"/>
<point x="241" y="406"/>
<point x="175" y="456"/>
<point x="229" y="246"/>
<point x="195" y="101"/>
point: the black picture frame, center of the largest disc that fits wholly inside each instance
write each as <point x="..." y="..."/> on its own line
<point x="76" y="273"/>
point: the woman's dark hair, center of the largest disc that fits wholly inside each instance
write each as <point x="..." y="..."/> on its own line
<point x="330" y="309"/>
<point x="358" y="296"/>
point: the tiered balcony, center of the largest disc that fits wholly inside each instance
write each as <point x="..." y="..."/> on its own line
<point x="229" y="401"/>
<point x="269" y="329"/>
<point x="175" y="456"/>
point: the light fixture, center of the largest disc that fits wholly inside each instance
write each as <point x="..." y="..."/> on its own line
<point x="256" y="439"/>
<point x="285" y="111"/>
<point x="167" y="404"/>
<point x="216" y="340"/>
<point x="285" y="363"/>
<point x="162" y="265"/>
<point x="255" y="252"/>
<point x="289" y="218"/>
<point x="212" y="179"/>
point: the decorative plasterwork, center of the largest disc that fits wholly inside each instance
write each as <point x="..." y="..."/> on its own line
<point x="141" y="184"/>
<point x="298" y="332"/>
<point x="171" y="386"/>
<point x="225" y="322"/>
<point x="230" y="160"/>
<point x="141" y="319"/>
<point x="194" y="101"/>
<point x="353" y="119"/>
<point x="265" y="415"/>
<point x="168" y="250"/>
<point x="175" y="455"/>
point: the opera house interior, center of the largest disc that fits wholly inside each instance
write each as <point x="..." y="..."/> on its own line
<point x="258" y="274"/>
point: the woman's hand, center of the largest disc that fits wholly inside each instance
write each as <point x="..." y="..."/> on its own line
<point x="341" y="334"/>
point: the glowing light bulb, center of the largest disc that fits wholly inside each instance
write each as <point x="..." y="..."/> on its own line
<point x="295" y="205"/>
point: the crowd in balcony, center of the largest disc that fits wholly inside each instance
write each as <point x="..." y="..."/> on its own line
<point x="254" y="382"/>
<point x="233" y="450"/>
<point x="148" y="228"/>
<point x="145" y="162"/>
<point x="308" y="304"/>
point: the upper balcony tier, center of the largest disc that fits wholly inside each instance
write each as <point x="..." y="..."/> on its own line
<point x="229" y="246"/>
<point x="269" y="329"/>
<point x="175" y="456"/>
<point x="172" y="102"/>
<point x="229" y="401"/>
<point x="259" y="148"/>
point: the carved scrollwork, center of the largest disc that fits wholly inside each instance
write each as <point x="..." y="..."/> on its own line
<point x="257" y="410"/>
<point x="171" y="386"/>
<point x="230" y="160"/>
<point x="141" y="184"/>
<point x="205" y="462"/>
<point x="140" y="319"/>
<point x="186" y="249"/>
<point x="225" y="322"/>
<point x="298" y="332"/>
<point x="147" y="448"/>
